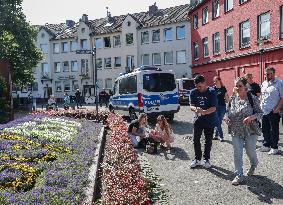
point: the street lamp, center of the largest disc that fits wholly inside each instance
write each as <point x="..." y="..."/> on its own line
<point x="94" y="77"/>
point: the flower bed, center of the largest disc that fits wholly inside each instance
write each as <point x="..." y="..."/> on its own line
<point x="46" y="159"/>
<point x="122" y="181"/>
<point x="89" y="114"/>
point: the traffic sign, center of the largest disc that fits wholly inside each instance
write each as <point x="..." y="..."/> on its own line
<point x="84" y="51"/>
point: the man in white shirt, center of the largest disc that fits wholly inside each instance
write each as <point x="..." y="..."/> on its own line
<point x="271" y="103"/>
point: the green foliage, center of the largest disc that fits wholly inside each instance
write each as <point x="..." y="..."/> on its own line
<point x="17" y="41"/>
<point x="4" y="104"/>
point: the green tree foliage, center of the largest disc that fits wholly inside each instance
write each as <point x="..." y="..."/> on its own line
<point x="4" y="104"/>
<point x="17" y="41"/>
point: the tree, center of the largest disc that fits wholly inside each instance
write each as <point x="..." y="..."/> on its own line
<point x="17" y="42"/>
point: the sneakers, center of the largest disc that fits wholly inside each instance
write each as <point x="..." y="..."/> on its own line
<point x="237" y="180"/>
<point x="251" y="171"/>
<point x="273" y="151"/>
<point x="264" y="149"/>
<point x="195" y="163"/>
<point x="206" y="164"/>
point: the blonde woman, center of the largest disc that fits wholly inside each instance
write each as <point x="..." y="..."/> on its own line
<point x="242" y="115"/>
<point x="137" y="129"/>
<point x="162" y="132"/>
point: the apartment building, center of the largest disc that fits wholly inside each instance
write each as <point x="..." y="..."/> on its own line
<point x="159" y="37"/>
<point x="234" y="37"/>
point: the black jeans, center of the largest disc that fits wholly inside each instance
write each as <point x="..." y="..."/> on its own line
<point x="208" y="133"/>
<point x="270" y="130"/>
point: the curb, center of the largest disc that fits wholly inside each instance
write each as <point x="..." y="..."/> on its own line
<point x="90" y="191"/>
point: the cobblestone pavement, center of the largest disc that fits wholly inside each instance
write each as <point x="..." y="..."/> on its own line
<point x="213" y="186"/>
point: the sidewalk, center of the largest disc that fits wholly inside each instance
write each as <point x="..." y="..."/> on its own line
<point x="213" y="186"/>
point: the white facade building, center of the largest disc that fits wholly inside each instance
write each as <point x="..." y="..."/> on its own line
<point x="158" y="37"/>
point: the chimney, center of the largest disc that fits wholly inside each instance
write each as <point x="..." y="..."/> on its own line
<point x="70" y="23"/>
<point x="84" y="18"/>
<point x="110" y="19"/>
<point x="153" y="9"/>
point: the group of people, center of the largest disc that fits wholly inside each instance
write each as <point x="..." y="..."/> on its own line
<point x="251" y="111"/>
<point x="161" y="135"/>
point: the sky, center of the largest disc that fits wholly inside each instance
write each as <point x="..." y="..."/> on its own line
<point x="39" y="12"/>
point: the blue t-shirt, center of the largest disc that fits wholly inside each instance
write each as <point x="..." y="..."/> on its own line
<point x="205" y="100"/>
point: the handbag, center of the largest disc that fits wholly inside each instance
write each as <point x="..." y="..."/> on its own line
<point x="255" y="127"/>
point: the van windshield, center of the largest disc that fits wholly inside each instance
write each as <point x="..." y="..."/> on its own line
<point x="188" y="84"/>
<point x="159" y="82"/>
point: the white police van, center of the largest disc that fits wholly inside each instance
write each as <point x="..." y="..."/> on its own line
<point x="146" y="90"/>
<point x="185" y="85"/>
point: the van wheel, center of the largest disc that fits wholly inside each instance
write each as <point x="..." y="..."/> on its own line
<point x="111" y="109"/>
<point x="132" y="114"/>
<point x="170" y="117"/>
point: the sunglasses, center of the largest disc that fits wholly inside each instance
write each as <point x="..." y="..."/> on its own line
<point x="268" y="73"/>
<point x="239" y="86"/>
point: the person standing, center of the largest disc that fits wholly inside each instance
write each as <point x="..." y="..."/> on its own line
<point x="243" y="111"/>
<point x="78" y="98"/>
<point x="203" y="103"/>
<point x="271" y="104"/>
<point x="253" y="87"/>
<point x="222" y="98"/>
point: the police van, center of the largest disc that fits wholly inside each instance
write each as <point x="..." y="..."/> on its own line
<point x="185" y="85"/>
<point x="147" y="90"/>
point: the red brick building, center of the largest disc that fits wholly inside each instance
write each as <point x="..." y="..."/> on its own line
<point x="234" y="37"/>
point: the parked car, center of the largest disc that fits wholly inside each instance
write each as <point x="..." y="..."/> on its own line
<point x="147" y="90"/>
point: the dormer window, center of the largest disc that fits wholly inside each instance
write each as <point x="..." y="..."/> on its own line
<point x="129" y="23"/>
<point x="83" y="30"/>
<point x="42" y="35"/>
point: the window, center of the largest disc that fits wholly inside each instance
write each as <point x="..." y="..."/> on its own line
<point x="145" y="59"/>
<point x="64" y="47"/>
<point x="99" y="63"/>
<point x="181" y="57"/>
<point x="56" y="48"/>
<point x="156" y="59"/>
<point x="44" y="69"/>
<point x="74" y="66"/>
<point x="129" y="38"/>
<point x="75" y="85"/>
<point x="67" y="86"/>
<point x="34" y="69"/>
<point x="195" y="21"/>
<point x="57" y="67"/>
<point x="117" y="41"/>
<point x="129" y="23"/>
<point x="205" y="16"/>
<point x="216" y="43"/>
<point x="108" y="83"/>
<point x="156" y="35"/>
<point x="84" y="44"/>
<point x="168" y="58"/>
<point x="130" y="61"/>
<point x="228" y="4"/>
<point x="34" y="86"/>
<point x="128" y="85"/>
<point x="107" y="63"/>
<point x="144" y="37"/>
<point x="229" y="39"/>
<point x="44" y="48"/>
<point x="159" y="82"/>
<point x="196" y="51"/>
<point x="117" y="62"/>
<point x="66" y="66"/>
<point x="281" y="22"/>
<point x="264" y="26"/>
<point x="74" y="45"/>
<point x="168" y="35"/>
<point x="107" y="42"/>
<point x="99" y="83"/>
<point x="215" y="8"/>
<point x="205" y="47"/>
<point x="58" y="86"/>
<point x="84" y="67"/>
<point x="181" y="32"/>
<point x="243" y="1"/>
<point x="245" y="34"/>
<point x="98" y="43"/>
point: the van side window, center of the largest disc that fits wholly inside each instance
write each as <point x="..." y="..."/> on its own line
<point x="128" y="85"/>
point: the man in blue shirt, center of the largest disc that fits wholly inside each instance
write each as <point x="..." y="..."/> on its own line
<point x="203" y="103"/>
<point x="271" y="104"/>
